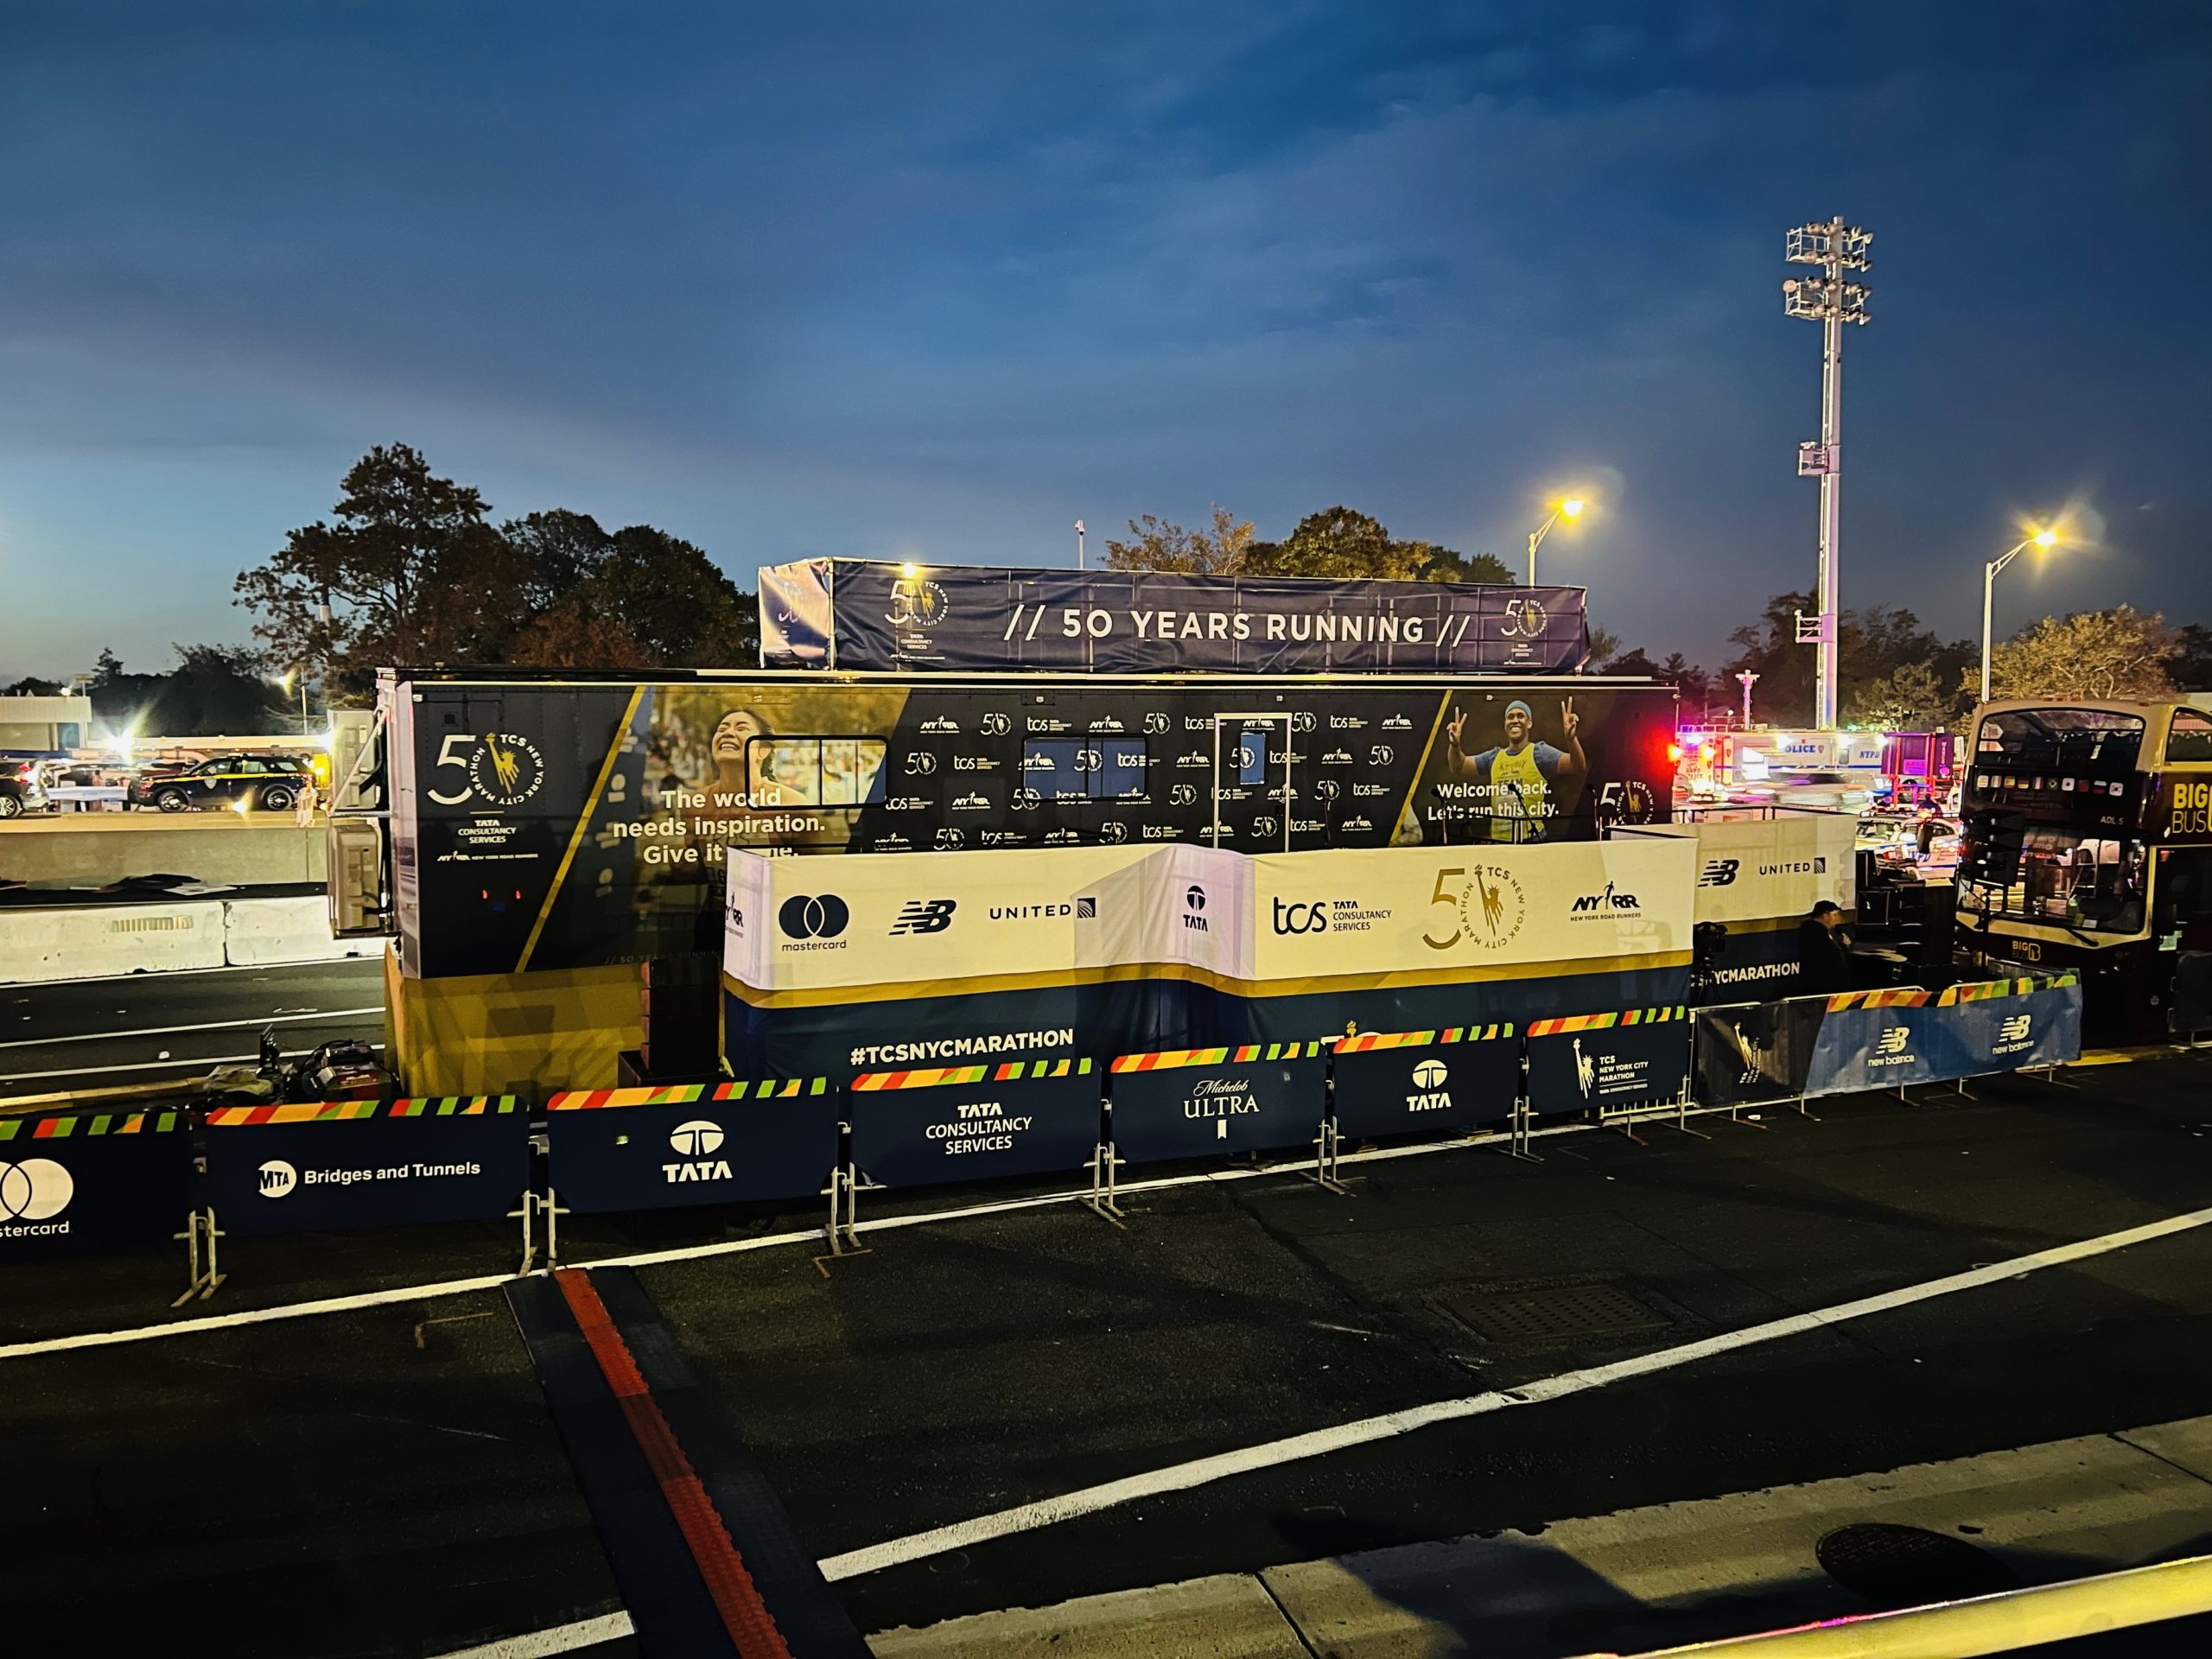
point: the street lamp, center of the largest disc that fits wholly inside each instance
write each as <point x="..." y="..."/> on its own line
<point x="2045" y="539"/>
<point x="286" y="679"/>
<point x="1573" y="507"/>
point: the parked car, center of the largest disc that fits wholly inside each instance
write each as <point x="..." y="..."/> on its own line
<point x="1825" y="791"/>
<point x="272" y="783"/>
<point x="22" y="788"/>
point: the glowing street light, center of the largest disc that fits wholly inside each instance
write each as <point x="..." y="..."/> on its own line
<point x="2043" y="539"/>
<point x="1573" y="507"/>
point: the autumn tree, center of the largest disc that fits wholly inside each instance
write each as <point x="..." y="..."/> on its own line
<point x="1871" y="644"/>
<point x="1908" y="698"/>
<point x="2122" y="653"/>
<point x="1343" y="545"/>
<point x="1155" y="544"/>
<point x="409" y="572"/>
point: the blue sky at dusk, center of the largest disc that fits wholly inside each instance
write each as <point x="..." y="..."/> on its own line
<point x="933" y="282"/>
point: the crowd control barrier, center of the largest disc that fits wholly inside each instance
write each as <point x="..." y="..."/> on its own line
<point x="1613" y="1062"/>
<point x="658" y="1149"/>
<point x="1387" y="1082"/>
<point x="1808" y="1046"/>
<point x="962" y="1123"/>
<point x="73" y="1182"/>
<point x="1197" y="1103"/>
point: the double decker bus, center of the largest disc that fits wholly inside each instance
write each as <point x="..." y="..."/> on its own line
<point x="2088" y="845"/>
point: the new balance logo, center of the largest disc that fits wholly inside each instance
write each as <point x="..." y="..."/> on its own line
<point x="925" y="916"/>
<point x="2014" y="1029"/>
<point x="1719" y="872"/>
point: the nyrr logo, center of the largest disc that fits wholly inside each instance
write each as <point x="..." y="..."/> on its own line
<point x="1719" y="872"/>
<point x="1605" y="902"/>
<point x="803" y="917"/>
<point x="925" y="916"/>
<point x="694" y="1144"/>
<point x="1429" y="1095"/>
<point x="277" y="1179"/>
<point x="38" y="1189"/>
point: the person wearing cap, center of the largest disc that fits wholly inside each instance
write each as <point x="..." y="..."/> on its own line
<point x="1518" y="774"/>
<point x="1823" y="959"/>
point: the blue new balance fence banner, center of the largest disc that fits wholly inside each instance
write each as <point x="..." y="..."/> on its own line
<point x="1891" y="1039"/>
<point x="325" y="1165"/>
<point x="1639" y="1056"/>
<point x="1433" y="1082"/>
<point x="972" y="1122"/>
<point x="667" y="1147"/>
<point x="78" y="1181"/>
<point x="1197" y="1103"/>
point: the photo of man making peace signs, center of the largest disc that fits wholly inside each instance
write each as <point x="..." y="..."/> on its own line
<point x="1516" y="776"/>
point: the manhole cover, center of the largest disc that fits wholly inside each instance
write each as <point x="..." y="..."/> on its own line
<point x="1891" y="1567"/>
<point x="1525" y="1312"/>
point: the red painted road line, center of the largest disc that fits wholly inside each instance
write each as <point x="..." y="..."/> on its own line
<point x="744" y="1614"/>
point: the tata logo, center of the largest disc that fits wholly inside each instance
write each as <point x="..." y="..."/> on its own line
<point x="37" y="1189"/>
<point x="694" y="1144"/>
<point x="1428" y="1092"/>
<point x="925" y="916"/>
<point x="1194" y="906"/>
<point x="803" y="917"/>
<point x="1292" y="918"/>
<point x="996" y="725"/>
<point x="1719" y="872"/>
<point x="276" y="1178"/>
<point x="1605" y="902"/>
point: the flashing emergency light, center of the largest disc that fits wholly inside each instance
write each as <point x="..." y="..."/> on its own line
<point x="1673" y="752"/>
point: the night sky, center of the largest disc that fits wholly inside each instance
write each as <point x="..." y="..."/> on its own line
<point x="932" y="282"/>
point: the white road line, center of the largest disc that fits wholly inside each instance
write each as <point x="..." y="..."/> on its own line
<point x="172" y="1031"/>
<point x="1270" y="1454"/>
<point x="163" y="976"/>
<point x="191" y="1066"/>
<point x="542" y="1644"/>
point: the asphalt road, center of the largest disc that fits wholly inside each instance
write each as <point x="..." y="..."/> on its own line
<point x="385" y="1480"/>
<point x="78" y="1033"/>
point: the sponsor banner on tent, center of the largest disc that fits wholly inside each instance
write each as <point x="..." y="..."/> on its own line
<point x="1635" y="1058"/>
<point x="670" y="1146"/>
<point x="1470" y="911"/>
<point x="76" y="1181"/>
<point x="325" y="1165"/>
<point x="854" y="614"/>
<point x="973" y="1123"/>
<point x="1408" y="1082"/>
<point x="1752" y="1054"/>
<point x="1198" y="1103"/>
<point x="1760" y="869"/>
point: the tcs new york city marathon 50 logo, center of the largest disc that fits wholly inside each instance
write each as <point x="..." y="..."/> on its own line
<point x="498" y="769"/>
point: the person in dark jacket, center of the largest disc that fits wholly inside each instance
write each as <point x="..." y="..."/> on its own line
<point x="1823" y="960"/>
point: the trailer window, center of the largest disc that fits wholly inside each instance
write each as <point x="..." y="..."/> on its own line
<point x="1085" y="768"/>
<point x="817" y="770"/>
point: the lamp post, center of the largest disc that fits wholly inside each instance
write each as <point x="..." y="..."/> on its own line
<point x="1571" y="508"/>
<point x="1078" y="543"/>
<point x="1749" y="680"/>
<point x="2043" y="538"/>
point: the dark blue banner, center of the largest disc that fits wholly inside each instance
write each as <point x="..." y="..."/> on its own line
<point x="330" y="1165"/>
<point x="1608" y="1061"/>
<point x="973" y="1123"/>
<point x="77" y="1181"/>
<point x="854" y="614"/>
<point x="1890" y="1040"/>
<point x="1753" y="1052"/>
<point x="2005" y="1032"/>
<point x="1198" y="1103"/>
<point x="1411" y="1082"/>
<point x="660" y="1149"/>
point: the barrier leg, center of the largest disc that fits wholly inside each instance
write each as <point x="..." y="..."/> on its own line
<point x="1517" y="1146"/>
<point x="1104" y="1197"/>
<point x="529" y="1214"/>
<point x="1327" y="1145"/>
<point x="844" y="1212"/>
<point x="198" y="1223"/>
<point x="1682" y="1113"/>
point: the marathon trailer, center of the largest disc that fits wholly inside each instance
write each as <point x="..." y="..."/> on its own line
<point x="530" y="838"/>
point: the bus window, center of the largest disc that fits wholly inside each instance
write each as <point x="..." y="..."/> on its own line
<point x="2191" y="738"/>
<point x="2078" y="881"/>
<point x="2184" y="888"/>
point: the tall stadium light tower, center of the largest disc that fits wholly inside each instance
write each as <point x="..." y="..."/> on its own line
<point x="1831" y="302"/>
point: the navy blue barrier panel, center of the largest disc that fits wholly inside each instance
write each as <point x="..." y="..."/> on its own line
<point x="1754" y="1052"/>
<point x="1196" y="1102"/>
<point x="1405" y="1082"/>
<point x="971" y="1122"/>
<point x="1633" y="1057"/>
<point x="2004" y="1025"/>
<point x="1891" y="1038"/>
<point x="77" y="1181"/>
<point x="683" y="1144"/>
<point x="328" y="1165"/>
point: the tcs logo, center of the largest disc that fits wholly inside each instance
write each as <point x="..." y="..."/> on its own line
<point x="1301" y="918"/>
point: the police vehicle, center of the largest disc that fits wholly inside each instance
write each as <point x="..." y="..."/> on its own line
<point x="271" y="782"/>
